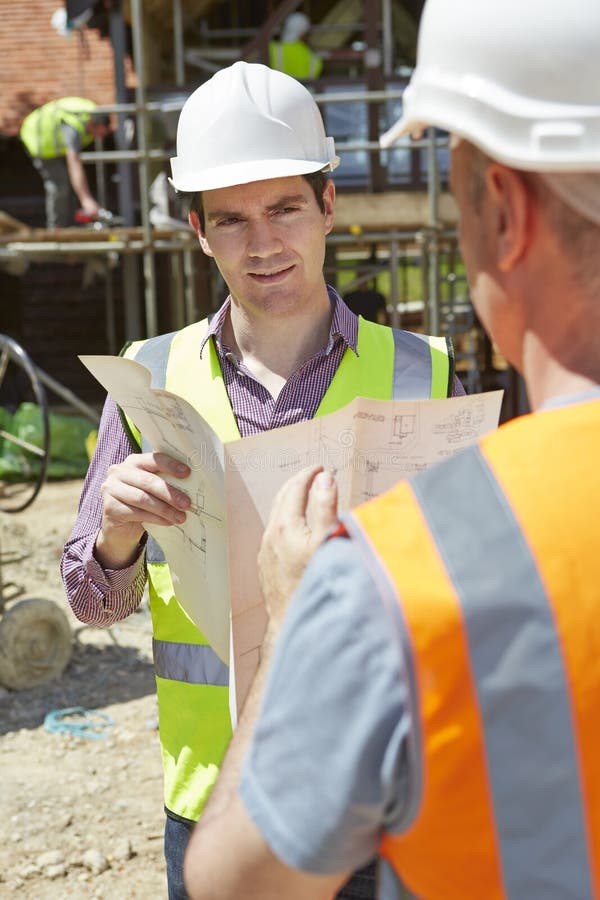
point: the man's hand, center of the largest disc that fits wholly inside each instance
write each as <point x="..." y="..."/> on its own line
<point x="135" y="491"/>
<point x="90" y="207"/>
<point x="303" y="512"/>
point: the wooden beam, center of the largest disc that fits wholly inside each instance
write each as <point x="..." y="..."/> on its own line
<point x="390" y="211"/>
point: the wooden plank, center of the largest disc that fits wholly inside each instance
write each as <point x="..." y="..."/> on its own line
<point x="86" y="235"/>
<point x="390" y="211"/>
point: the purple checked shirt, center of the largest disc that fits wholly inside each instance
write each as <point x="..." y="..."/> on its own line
<point x="104" y="596"/>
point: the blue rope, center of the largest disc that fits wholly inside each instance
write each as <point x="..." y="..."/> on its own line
<point x="88" y="723"/>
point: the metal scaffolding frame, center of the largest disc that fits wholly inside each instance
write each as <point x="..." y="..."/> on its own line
<point x="145" y="241"/>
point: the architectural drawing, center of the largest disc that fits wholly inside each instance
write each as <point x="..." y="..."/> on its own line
<point x="369" y="445"/>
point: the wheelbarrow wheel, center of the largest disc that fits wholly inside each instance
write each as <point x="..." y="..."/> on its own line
<point x="35" y="643"/>
<point x="16" y="496"/>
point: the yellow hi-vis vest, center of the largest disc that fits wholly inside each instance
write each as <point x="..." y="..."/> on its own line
<point x="295" y="58"/>
<point x="193" y="706"/>
<point x="41" y="130"/>
<point x="492" y="563"/>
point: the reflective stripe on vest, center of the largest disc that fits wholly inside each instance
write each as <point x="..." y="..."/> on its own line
<point x="189" y="662"/>
<point x="183" y="658"/>
<point x="391" y="365"/>
<point x="503" y="668"/>
<point x="41" y="129"/>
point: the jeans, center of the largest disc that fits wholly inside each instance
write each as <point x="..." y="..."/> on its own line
<point x="61" y="202"/>
<point x="177" y="835"/>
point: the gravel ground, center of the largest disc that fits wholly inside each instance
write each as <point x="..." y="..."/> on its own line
<point x="79" y="817"/>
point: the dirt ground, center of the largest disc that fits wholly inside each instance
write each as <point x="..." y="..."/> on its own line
<point x="79" y="817"/>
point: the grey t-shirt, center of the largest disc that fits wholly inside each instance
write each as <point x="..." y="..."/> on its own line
<point x="71" y="137"/>
<point x="327" y="767"/>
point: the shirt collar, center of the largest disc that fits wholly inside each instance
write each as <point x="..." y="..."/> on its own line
<point x="344" y="324"/>
<point x="215" y="327"/>
<point x="572" y="399"/>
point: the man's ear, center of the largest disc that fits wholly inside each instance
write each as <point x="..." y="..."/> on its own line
<point x="194" y="221"/>
<point x="329" y="203"/>
<point x="511" y="214"/>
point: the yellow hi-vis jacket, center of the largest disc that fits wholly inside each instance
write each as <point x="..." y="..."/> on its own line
<point x="41" y="130"/>
<point x="295" y="58"/>
<point x="492" y="563"/>
<point x="192" y="682"/>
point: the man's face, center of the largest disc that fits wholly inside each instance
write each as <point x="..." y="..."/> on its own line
<point x="268" y="240"/>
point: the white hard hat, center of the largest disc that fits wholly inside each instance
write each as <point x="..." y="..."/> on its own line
<point x="294" y="27"/>
<point x="249" y="123"/>
<point x="520" y="80"/>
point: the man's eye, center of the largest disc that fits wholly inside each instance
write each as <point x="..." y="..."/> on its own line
<point x="231" y="220"/>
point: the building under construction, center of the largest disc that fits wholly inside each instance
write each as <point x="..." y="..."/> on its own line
<point x="87" y="289"/>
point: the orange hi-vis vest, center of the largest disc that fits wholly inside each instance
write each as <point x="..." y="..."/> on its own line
<point x="490" y="565"/>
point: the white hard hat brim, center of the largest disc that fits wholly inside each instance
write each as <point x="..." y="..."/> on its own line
<point x="400" y="129"/>
<point x="244" y="173"/>
<point x="523" y="132"/>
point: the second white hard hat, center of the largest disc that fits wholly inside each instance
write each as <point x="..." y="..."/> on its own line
<point x="249" y="123"/>
<point x="521" y="80"/>
<point x="295" y="26"/>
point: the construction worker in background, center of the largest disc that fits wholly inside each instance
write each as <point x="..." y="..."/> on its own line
<point x="291" y="53"/>
<point x="54" y="135"/>
<point x="253" y="156"/>
<point x="435" y="692"/>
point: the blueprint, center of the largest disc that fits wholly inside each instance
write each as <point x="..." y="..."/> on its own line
<point x="368" y="445"/>
<point x="197" y="550"/>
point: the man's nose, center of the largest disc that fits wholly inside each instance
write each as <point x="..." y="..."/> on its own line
<point x="263" y="239"/>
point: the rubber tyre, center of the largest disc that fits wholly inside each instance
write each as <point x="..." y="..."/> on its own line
<point x="35" y="643"/>
<point x="17" y="497"/>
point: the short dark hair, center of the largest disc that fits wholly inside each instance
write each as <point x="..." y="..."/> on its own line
<point x="101" y="119"/>
<point x="317" y="181"/>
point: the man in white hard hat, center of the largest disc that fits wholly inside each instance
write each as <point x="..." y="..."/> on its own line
<point x="291" y="53"/>
<point x="253" y="155"/>
<point x="434" y="696"/>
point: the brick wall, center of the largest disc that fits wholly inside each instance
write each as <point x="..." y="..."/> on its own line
<point x="39" y="65"/>
<point x="50" y="308"/>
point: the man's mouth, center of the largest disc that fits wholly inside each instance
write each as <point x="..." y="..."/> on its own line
<point x="271" y="276"/>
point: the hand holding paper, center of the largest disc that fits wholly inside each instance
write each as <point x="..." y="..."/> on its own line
<point x="304" y="511"/>
<point x="134" y="495"/>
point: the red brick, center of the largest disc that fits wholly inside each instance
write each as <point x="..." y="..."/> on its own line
<point x="39" y="65"/>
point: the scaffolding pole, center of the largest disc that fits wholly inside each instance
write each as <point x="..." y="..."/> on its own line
<point x="144" y="177"/>
<point x="432" y="321"/>
<point x="178" y="43"/>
